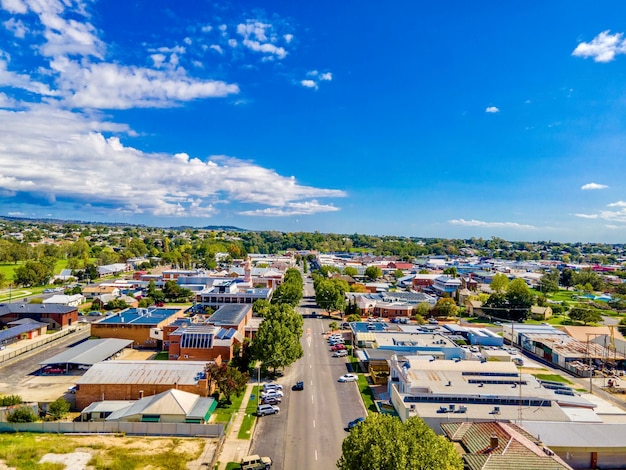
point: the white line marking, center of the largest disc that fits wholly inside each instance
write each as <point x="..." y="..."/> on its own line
<point x="314" y="424"/>
<point x="316" y="454"/>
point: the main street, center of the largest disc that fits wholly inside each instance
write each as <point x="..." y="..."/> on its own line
<point x="309" y="430"/>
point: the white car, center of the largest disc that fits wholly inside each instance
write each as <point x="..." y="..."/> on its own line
<point x="272" y="393"/>
<point x="348" y="378"/>
<point x="272" y="386"/>
<point x="340" y="353"/>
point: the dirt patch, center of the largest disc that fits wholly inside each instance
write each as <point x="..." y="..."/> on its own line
<point x="137" y="355"/>
<point x="73" y="461"/>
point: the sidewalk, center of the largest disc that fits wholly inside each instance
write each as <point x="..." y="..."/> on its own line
<point x="234" y="449"/>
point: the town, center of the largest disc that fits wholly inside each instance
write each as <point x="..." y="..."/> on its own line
<point x="507" y="353"/>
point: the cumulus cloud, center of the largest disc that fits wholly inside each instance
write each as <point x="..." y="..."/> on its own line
<point x="492" y="109"/>
<point x="73" y="147"/>
<point x="617" y="204"/>
<point x="308" y="83"/>
<point x="17" y="27"/>
<point x="592" y="186"/>
<point x="111" y="86"/>
<point x="326" y="76"/>
<point x="260" y="37"/>
<point x="603" y="48"/>
<point x="217" y="48"/>
<point x="480" y="223"/>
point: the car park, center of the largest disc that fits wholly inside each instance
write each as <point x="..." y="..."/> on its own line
<point x="264" y="410"/>
<point x="340" y="353"/>
<point x="348" y="378"/>
<point x="354" y="423"/>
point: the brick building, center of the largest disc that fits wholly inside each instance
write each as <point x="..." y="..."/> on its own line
<point x="54" y="315"/>
<point x="132" y="380"/>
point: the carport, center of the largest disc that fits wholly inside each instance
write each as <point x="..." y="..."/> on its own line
<point x="88" y="353"/>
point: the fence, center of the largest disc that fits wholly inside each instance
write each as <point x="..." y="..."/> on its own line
<point x="113" y="427"/>
<point x="6" y="355"/>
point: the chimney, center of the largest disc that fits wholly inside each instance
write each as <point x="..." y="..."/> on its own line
<point x="140" y="394"/>
<point x="493" y="442"/>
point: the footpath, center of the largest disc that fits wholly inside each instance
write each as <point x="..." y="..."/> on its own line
<point x="234" y="449"/>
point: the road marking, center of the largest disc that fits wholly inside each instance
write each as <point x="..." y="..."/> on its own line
<point x="316" y="454"/>
<point x="313" y="424"/>
<point x="311" y="398"/>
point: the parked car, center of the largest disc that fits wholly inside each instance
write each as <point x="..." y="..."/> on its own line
<point x="73" y="389"/>
<point x="340" y="353"/>
<point x="345" y="325"/>
<point x="270" y="400"/>
<point x="272" y="386"/>
<point x="53" y="370"/>
<point x="263" y="410"/>
<point x="354" y="423"/>
<point x="338" y="347"/>
<point x="95" y="313"/>
<point x="432" y="321"/>
<point x="348" y="378"/>
<point x="298" y="386"/>
<point x="272" y="393"/>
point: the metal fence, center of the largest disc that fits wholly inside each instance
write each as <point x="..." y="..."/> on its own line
<point x="106" y="427"/>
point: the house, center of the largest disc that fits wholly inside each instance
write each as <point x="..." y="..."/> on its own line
<point x="170" y="406"/>
<point x="446" y="285"/>
<point x="229" y="292"/>
<point x="54" y="315"/>
<point x="97" y="290"/>
<point x="540" y="313"/>
<point x="25" y="328"/>
<point x="499" y="445"/>
<point x="474" y="308"/>
<point x="74" y="300"/>
<point x="113" y="269"/>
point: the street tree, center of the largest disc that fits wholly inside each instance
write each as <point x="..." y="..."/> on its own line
<point x="446" y="307"/>
<point x="232" y="382"/>
<point x="385" y="442"/>
<point x="350" y="271"/>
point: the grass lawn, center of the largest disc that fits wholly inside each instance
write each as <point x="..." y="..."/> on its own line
<point x="250" y="417"/>
<point x="8" y="269"/>
<point x="552" y="378"/>
<point x="233" y="466"/>
<point x="161" y="356"/>
<point x="223" y="413"/>
<point x="366" y="394"/>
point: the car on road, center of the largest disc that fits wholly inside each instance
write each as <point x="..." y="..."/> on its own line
<point x="298" y="386"/>
<point x="256" y="462"/>
<point x="348" y="378"/>
<point x="340" y="353"/>
<point x="354" y="423"/>
<point x="338" y="347"/>
<point x="264" y="410"/>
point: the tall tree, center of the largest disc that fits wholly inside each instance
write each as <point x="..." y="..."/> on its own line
<point x="499" y="283"/>
<point x="384" y="442"/>
<point x="373" y="272"/>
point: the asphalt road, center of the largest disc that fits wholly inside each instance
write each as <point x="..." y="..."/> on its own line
<point x="309" y="430"/>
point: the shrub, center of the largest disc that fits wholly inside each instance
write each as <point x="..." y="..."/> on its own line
<point x="23" y="414"/>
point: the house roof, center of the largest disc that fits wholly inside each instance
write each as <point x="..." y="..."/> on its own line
<point x="22" y="308"/>
<point x="580" y="332"/>
<point x="144" y="372"/>
<point x="18" y="330"/>
<point x="515" y="450"/>
<point x="170" y="402"/>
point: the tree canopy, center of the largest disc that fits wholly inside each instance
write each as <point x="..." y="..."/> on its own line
<point x="383" y="442"/>
<point x="373" y="272"/>
<point x="278" y="340"/>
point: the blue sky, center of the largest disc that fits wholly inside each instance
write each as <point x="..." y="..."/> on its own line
<point x="454" y="119"/>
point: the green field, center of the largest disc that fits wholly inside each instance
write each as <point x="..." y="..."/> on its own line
<point x="552" y="378"/>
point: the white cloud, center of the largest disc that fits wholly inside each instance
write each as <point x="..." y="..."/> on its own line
<point x="188" y="41"/>
<point x="603" y="48"/>
<point x="18" y="28"/>
<point x="206" y="29"/>
<point x="617" y="204"/>
<point x="110" y="86"/>
<point x="308" y="83"/>
<point x="295" y="208"/>
<point x="480" y="223"/>
<point x="158" y="60"/>
<point x="72" y="147"/>
<point x="492" y="109"/>
<point x="326" y="76"/>
<point x="592" y="186"/>
<point x="613" y="216"/>
<point x="14" y="6"/>
<point x="260" y="37"/>
<point x="232" y="42"/>
<point x="16" y="214"/>
<point x="587" y="216"/>
<point x="288" y="38"/>
<point x="22" y="81"/>
<point x="217" y="48"/>
<point x="7" y="101"/>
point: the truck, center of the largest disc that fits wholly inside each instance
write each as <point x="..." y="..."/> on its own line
<point x="256" y="462"/>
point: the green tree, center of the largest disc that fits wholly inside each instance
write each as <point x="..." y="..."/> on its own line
<point x="32" y="273"/>
<point x="588" y="276"/>
<point x="499" y="283"/>
<point x="451" y="271"/>
<point x="384" y="442"/>
<point x="353" y="318"/>
<point x="423" y="309"/>
<point x="10" y="400"/>
<point x="23" y="414"/>
<point x="232" y="382"/>
<point x="446" y="307"/>
<point x="373" y="272"/>
<point x="329" y="296"/>
<point x="261" y="307"/>
<point x="585" y="315"/>
<point x="567" y="278"/>
<point x="58" y="409"/>
<point x="278" y="338"/>
<point x="350" y="271"/>
<point x="549" y="282"/>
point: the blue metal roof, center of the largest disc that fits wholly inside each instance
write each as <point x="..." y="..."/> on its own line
<point x="139" y="316"/>
<point x="16" y="331"/>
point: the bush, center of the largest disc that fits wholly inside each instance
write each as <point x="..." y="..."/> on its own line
<point x="58" y="408"/>
<point x="23" y="414"/>
<point x="9" y="400"/>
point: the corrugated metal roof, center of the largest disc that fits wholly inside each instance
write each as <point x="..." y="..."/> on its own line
<point x="231" y="315"/>
<point x="144" y="372"/>
<point x="19" y="330"/>
<point x="89" y="352"/>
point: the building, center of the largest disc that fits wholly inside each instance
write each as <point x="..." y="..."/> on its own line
<point x="88" y="353"/>
<point x="229" y="292"/>
<point x="74" y="300"/>
<point x="133" y="380"/>
<point x="499" y="445"/>
<point x="141" y="325"/>
<point x="54" y="315"/>
<point x="446" y="286"/>
<point x="170" y="406"/>
<point x="440" y="391"/>
<point x="18" y="330"/>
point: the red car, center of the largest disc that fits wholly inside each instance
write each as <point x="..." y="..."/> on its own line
<point x="53" y="370"/>
<point x="338" y="347"/>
